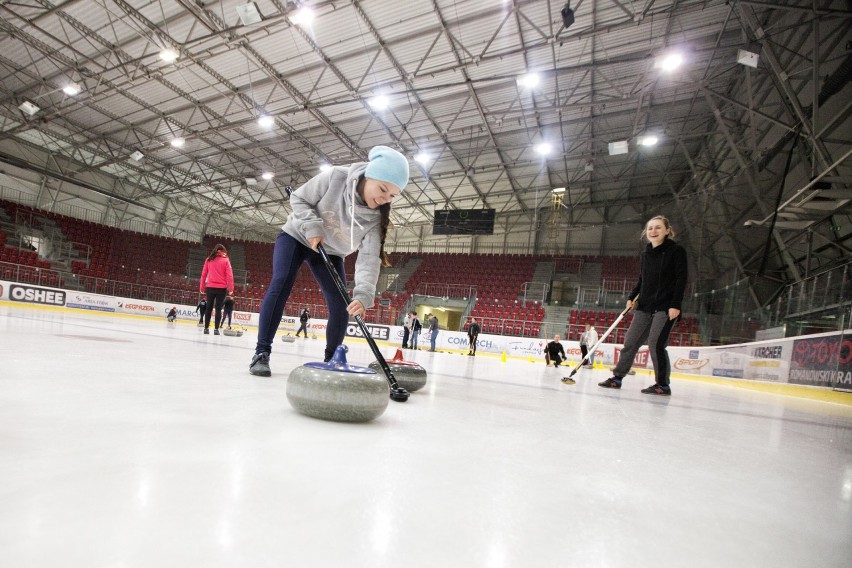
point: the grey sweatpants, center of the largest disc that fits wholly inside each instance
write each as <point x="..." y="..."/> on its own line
<point x="653" y="329"/>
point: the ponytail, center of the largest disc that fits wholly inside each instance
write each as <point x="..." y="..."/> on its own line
<point x="385" y="212"/>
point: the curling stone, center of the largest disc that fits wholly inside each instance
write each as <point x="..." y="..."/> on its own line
<point x="337" y="391"/>
<point x="408" y="374"/>
<point x="288" y="338"/>
<point x="233" y="332"/>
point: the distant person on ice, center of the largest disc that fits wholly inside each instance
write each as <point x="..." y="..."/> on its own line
<point x="588" y="340"/>
<point x="228" y="310"/>
<point x="201" y="309"/>
<point x="473" y="331"/>
<point x="304" y="318"/>
<point x="554" y="352"/>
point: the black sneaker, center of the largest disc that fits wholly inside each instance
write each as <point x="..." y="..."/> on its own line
<point x="611" y="383"/>
<point x="216" y="331"/>
<point x="260" y="365"/>
<point x="206" y="331"/>
<point x="662" y="390"/>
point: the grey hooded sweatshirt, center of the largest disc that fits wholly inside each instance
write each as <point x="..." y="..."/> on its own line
<point x="323" y="208"/>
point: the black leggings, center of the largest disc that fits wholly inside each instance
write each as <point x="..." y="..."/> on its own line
<point x="214" y="296"/>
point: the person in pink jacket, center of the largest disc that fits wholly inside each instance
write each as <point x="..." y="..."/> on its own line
<point x="217" y="281"/>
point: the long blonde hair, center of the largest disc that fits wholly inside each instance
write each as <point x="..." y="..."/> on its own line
<point x="670" y="230"/>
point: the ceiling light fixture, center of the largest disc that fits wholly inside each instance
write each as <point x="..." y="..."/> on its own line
<point x="178" y="142"/>
<point x="71" y="89"/>
<point x="267" y="175"/>
<point x="379" y="102"/>
<point x="543" y="149"/>
<point x="169" y="55"/>
<point x="249" y="14"/>
<point x="423" y="158"/>
<point x="670" y="62"/>
<point x="28" y="108"/>
<point x="558" y="190"/>
<point x="529" y="81"/>
<point x="266" y="121"/>
<point x="324" y="167"/>
<point x="649" y="141"/>
<point x="619" y="147"/>
<point x="136" y="156"/>
<point x="747" y="58"/>
<point x="303" y="17"/>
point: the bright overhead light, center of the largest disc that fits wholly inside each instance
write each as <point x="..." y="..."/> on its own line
<point x="670" y="62"/>
<point x="544" y="148"/>
<point x="267" y="175"/>
<point x="178" y="142"/>
<point x="303" y="17"/>
<point x="28" y="108"/>
<point x="325" y="167"/>
<point x="169" y="55"/>
<point x="530" y="80"/>
<point x="71" y="89"/>
<point x="266" y="121"/>
<point x="379" y="102"/>
<point x="558" y="190"/>
<point x="423" y="158"/>
<point x="648" y="140"/>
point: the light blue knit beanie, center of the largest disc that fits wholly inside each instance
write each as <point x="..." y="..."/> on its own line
<point x="386" y="164"/>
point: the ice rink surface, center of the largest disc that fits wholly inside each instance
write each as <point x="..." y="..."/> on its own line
<point x="130" y="442"/>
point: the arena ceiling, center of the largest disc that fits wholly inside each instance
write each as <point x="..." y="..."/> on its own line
<point x="447" y="83"/>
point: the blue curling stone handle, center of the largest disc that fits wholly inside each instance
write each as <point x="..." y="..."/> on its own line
<point x="338" y="364"/>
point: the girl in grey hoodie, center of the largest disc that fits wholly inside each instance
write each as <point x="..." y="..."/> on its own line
<point x="346" y="208"/>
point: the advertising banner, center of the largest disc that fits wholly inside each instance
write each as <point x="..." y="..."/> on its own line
<point x="689" y="361"/>
<point x="641" y="360"/>
<point x="729" y="363"/>
<point x="4" y="286"/>
<point x="95" y="302"/>
<point x="824" y="361"/>
<point x="36" y="295"/>
<point x="768" y="362"/>
<point x="139" y="307"/>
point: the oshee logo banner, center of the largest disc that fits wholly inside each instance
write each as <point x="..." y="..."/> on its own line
<point x="381" y="332"/>
<point x="35" y="295"/>
<point x="822" y="361"/>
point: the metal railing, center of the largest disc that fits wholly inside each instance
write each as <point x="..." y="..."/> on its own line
<point x="446" y="290"/>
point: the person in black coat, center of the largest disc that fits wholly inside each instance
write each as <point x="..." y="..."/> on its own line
<point x="656" y="299"/>
<point x="416" y="327"/>
<point x="554" y="352"/>
<point x="201" y="309"/>
<point x="228" y="310"/>
<point x="473" y="331"/>
<point x="303" y="320"/>
<point x="172" y="315"/>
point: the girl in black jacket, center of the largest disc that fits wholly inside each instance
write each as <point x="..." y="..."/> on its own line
<point x="662" y="282"/>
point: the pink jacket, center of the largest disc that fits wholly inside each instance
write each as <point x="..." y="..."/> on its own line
<point x="217" y="273"/>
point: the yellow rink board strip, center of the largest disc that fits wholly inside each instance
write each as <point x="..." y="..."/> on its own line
<point x="821" y="394"/>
